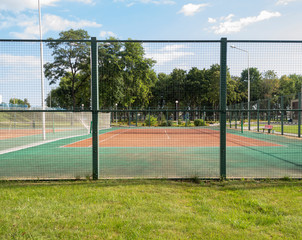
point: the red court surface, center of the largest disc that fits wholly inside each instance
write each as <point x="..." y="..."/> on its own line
<point x="15" y="133"/>
<point x="162" y="137"/>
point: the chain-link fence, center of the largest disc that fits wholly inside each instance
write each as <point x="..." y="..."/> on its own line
<point x="149" y="109"/>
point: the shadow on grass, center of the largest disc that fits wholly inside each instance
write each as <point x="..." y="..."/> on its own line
<point x="219" y="185"/>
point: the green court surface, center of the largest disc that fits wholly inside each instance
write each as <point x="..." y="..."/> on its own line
<point x="52" y="160"/>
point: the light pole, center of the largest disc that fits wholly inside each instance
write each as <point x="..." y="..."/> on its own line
<point x="176" y="113"/>
<point x="248" y="84"/>
<point x="42" y="79"/>
<point x="116" y="113"/>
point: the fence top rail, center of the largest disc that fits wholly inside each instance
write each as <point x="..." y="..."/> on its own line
<point x="154" y="41"/>
<point x="264" y="41"/>
<point x="117" y="40"/>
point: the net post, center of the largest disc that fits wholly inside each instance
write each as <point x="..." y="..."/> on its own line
<point x="95" y="108"/>
<point x="282" y="115"/>
<point x="299" y="114"/>
<point x="223" y="88"/>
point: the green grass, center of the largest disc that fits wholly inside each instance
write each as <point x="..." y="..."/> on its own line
<point x="144" y="209"/>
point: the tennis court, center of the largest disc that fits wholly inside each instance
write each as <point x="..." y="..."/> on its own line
<point x="153" y="153"/>
<point x="169" y="137"/>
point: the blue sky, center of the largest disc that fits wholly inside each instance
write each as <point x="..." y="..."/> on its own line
<point x="155" y="19"/>
<point x="151" y="20"/>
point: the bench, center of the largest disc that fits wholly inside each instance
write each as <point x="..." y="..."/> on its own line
<point x="268" y="128"/>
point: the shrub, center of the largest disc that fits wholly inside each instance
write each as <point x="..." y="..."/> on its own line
<point x="150" y="120"/>
<point x="199" y="122"/>
<point x="164" y="123"/>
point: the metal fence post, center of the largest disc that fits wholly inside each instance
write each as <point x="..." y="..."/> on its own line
<point x="269" y="112"/>
<point x="236" y="115"/>
<point x="282" y="115"/>
<point x="230" y="114"/>
<point x="299" y="114"/>
<point x="223" y="88"/>
<point x="95" y="108"/>
<point x="258" y="113"/>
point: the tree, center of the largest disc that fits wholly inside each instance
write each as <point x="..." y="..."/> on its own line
<point x="298" y="82"/>
<point x="61" y="97"/>
<point x="19" y="101"/>
<point x="195" y="87"/>
<point x="71" y="61"/>
<point x="270" y="87"/>
<point x="138" y="75"/>
<point x="111" y="84"/>
<point x="256" y="83"/>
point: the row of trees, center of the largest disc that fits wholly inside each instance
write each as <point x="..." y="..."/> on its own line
<point x="127" y="78"/>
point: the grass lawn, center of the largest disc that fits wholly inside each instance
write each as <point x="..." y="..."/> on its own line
<point x="151" y="209"/>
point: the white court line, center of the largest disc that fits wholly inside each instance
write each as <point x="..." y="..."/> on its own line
<point x="167" y="134"/>
<point x="234" y="139"/>
<point x="104" y="140"/>
<point x="33" y="145"/>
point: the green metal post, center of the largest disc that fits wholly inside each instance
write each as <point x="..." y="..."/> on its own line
<point x="149" y="118"/>
<point x="223" y="96"/>
<point x="241" y="117"/>
<point x="236" y="116"/>
<point x="282" y="115"/>
<point x="269" y="112"/>
<point x="136" y="119"/>
<point x="53" y="122"/>
<point x="299" y="115"/>
<point x="167" y="118"/>
<point x="258" y="115"/>
<point x="95" y="108"/>
<point x="249" y="115"/>
<point x="230" y="114"/>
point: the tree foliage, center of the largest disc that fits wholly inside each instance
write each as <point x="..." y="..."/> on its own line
<point x="127" y="78"/>
<point x="71" y="62"/>
<point x="19" y="101"/>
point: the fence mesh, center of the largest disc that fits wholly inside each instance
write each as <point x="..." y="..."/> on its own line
<point x="274" y="72"/>
<point x="159" y="109"/>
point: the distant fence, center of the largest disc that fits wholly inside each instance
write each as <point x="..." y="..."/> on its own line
<point x="151" y="109"/>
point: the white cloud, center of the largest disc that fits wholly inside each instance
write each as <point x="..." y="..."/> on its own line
<point x="105" y="34"/>
<point x="191" y="9"/>
<point x="157" y="2"/>
<point x="50" y="23"/>
<point x="22" y="5"/>
<point x="284" y="2"/>
<point x="227" y="25"/>
<point x="168" y="53"/>
<point x="212" y="20"/>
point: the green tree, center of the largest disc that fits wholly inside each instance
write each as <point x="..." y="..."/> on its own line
<point x="256" y="84"/>
<point x="61" y="97"/>
<point x="71" y="61"/>
<point x="19" y="101"/>
<point x="138" y="75"/>
<point x="111" y="82"/>
<point x="298" y="82"/>
<point x="195" y="87"/>
<point x="160" y="90"/>
<point x="270" y="87"/>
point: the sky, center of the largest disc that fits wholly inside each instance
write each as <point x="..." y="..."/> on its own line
<point x="151" y="20"/>
<point x="155" y="19"/>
